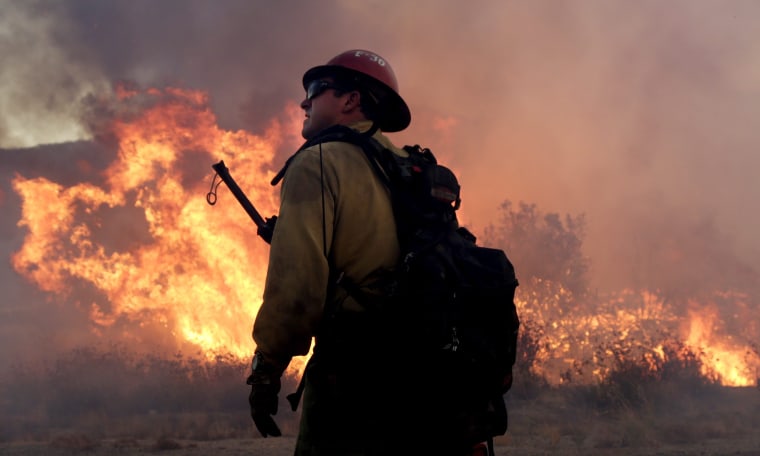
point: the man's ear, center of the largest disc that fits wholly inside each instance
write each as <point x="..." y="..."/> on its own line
<point x="352" y="101"/>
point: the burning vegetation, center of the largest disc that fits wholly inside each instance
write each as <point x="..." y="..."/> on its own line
<point x="170" y="286"/>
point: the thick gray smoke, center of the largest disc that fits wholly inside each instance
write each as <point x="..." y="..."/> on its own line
<point x="640" y="115"/>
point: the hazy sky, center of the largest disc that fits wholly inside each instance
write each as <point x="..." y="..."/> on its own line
<point x="641" y="115"/>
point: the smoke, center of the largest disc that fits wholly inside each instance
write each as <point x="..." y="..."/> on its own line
<point x="46" y="70"/>
<point x="639" y="115"/>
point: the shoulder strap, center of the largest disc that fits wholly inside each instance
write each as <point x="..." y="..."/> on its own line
<point x="334" y="133"/>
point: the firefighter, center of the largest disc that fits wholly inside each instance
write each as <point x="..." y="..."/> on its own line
<point x="335" y="218"/>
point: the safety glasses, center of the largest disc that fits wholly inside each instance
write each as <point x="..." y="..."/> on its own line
<point x="318" y="87"/>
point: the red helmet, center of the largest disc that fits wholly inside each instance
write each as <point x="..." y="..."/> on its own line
<point x="376" y="75"/>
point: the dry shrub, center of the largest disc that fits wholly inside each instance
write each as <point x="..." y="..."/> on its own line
<point x="165" y="443"/>
<point x="641" y="404"/>
<point x="74" y="442"/>
<point x="645" y="383"/>
<point x="125" y="443"/>
<point x="527" y="384"/>
<point x="111" y="392"/>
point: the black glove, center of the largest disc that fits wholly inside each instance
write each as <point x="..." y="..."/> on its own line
<point x="265" y="386"/>
<point x="267" y="230"/>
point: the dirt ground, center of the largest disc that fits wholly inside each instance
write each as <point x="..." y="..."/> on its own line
<point x="718" y="421"/>
<point x="283" y="446"/>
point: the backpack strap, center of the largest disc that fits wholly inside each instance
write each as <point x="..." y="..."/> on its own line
<point x="330" y="134"/>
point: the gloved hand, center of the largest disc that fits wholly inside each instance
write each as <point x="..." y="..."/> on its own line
<point x="265" y="386"/>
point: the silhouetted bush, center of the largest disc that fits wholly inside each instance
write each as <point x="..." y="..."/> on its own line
<point x="543" y="246"/>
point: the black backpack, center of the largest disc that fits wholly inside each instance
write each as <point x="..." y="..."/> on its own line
<point x="451" y="299"/>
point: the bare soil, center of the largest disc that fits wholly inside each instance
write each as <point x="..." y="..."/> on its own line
<point x="283" y="446"/>
<point x="724" y="421"/>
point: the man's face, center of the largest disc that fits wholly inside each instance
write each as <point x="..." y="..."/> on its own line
<point x="321" y="106"/>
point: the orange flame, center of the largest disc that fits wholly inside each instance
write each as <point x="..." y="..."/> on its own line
<point x="722" y="357"/>
<point x="634" y="325"/>
<point x="200" y="271"/>
<point x="159" y="257"/>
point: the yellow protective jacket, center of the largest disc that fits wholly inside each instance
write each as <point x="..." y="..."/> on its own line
<point x="335" y="215"/>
